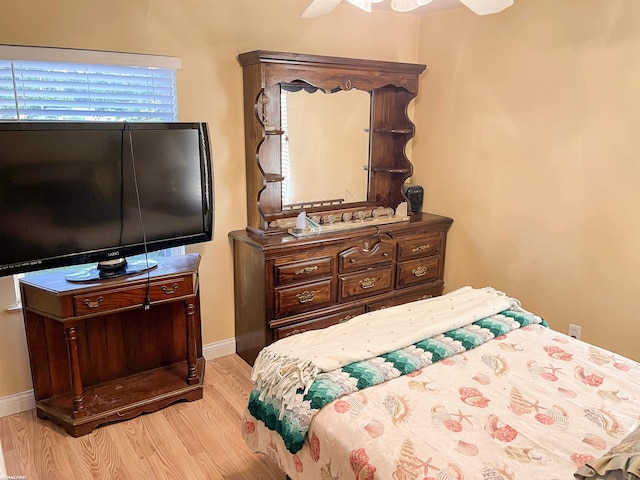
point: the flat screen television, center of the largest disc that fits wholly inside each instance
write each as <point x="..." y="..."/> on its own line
<point x="83" y="192"/>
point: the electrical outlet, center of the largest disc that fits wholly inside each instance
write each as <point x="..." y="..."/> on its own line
<point x="574" y="331"/>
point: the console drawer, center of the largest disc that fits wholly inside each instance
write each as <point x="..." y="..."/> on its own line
<point x="367" y="282"/>
<point x="317" y="323"/>
<point x="417" y="271"/>
<point x="418" y="247"/>
<point x="108" y="300"/>
<point x="302" y="298"/>
<point x="303" y="271"/>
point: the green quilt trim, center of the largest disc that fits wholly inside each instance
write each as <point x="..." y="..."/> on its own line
<point x="294" y="424"/>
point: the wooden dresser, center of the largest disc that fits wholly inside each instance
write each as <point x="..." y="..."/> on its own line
<point x="285" y="285"/>
<point x="288" y="283"/>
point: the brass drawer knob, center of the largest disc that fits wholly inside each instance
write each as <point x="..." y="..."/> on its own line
<point x="306" y="296"/>
<point x="419" y="271"/>
<point x="169" y="290"/>
<point x="367" y="282"/>
<point x="306" y="270"/>
<point x="420" y="248"/>
<point x="94" y="303"/>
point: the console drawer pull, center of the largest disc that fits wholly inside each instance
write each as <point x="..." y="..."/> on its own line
<point x="171" y="289"/>
<point x="306" y="296"/>
<point x="93" y="304"/>
<point x="367" y="282"/>
<point x="345" y="319"/>
<point x="419" y="271"/>
<point x="421" y="248"/>
<point x="306" y="270"/>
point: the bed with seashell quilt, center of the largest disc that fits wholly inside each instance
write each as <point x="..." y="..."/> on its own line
<point x="493" y="395"/>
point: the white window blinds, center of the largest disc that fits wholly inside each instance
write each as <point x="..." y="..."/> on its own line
<point x="36" y="90"/>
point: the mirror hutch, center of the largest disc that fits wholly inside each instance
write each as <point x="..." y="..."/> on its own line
<point x="358" y="256"/>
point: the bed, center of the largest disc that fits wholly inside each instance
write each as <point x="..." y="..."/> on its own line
<point x="490" y="393"/>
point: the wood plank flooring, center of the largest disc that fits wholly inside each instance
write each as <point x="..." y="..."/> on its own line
<point x="199" y="440"/>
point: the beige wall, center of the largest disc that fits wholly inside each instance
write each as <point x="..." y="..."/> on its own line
<point x="526" y="136"/>
<point x="529" y="138"/>
<point x="207" y="35"/>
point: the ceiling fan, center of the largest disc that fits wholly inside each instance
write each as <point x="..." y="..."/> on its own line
<point x="481" y="7"/>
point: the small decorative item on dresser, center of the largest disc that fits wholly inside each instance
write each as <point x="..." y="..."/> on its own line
<point x="415" y="195"/>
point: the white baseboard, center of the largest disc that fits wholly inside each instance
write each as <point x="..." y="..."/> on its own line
<point x="21" y="402"/>
<point x="219" y="349"/>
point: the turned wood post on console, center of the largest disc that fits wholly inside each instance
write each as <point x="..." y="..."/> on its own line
<point x="98" y="355"/>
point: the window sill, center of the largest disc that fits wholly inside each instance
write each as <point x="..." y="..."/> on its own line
<point x="16" y="307"/>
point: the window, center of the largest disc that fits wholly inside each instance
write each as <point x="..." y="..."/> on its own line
<point x="284" y="149"/>
<point x="64" y="90"/>
<point x="39" y="84"/>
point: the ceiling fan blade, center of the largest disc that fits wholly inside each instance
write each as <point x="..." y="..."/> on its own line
<point x="319" y="7"/>
<point x="485" y="7"/>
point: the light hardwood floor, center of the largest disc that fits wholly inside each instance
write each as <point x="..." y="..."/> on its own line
<point x="189" y="440"/>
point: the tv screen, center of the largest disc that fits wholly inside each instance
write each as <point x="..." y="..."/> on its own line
<point x="74" y="193"/>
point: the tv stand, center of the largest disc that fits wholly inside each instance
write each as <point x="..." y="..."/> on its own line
<point x="99" y="356"/>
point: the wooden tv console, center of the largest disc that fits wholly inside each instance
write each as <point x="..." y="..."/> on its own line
<point x="98" y="355"/>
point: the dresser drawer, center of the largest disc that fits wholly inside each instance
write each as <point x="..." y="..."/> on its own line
<point x="417" y="271"/>
<point x="303" y="271"/>
<point x="434" y="291"/>
<point x="129" y="297"/>
<point x="364" y="256"/>
<point x="417" y="247"/>
<point x="302" y="298"/>
<point x="367" y="282"/>
<point x="315" y="324"/>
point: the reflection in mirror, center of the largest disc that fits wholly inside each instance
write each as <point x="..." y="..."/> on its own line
<point x="325" y="148"/>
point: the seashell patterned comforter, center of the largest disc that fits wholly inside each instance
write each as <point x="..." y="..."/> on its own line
<point x="530" y="404"/>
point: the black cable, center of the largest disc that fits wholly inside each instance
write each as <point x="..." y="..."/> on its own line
<point x="147" y="299"/>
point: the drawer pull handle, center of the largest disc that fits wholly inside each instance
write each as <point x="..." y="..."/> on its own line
<point x="367" y="282"/>
<point x="344" y="319"/>
<point x="352" y="260"/>
<point x="306" y="296"/>
<point x="171" y="289"/>
<point x="419" y="271"/>
<point x="425" y="297"/>
<point x="420" y="248"/>
<point x="306" y="270"/>
<point x="93" y="304"/>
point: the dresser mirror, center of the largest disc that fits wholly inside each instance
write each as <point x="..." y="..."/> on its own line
<point x="338" y="150"/>
<point x="325" y="154"/>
